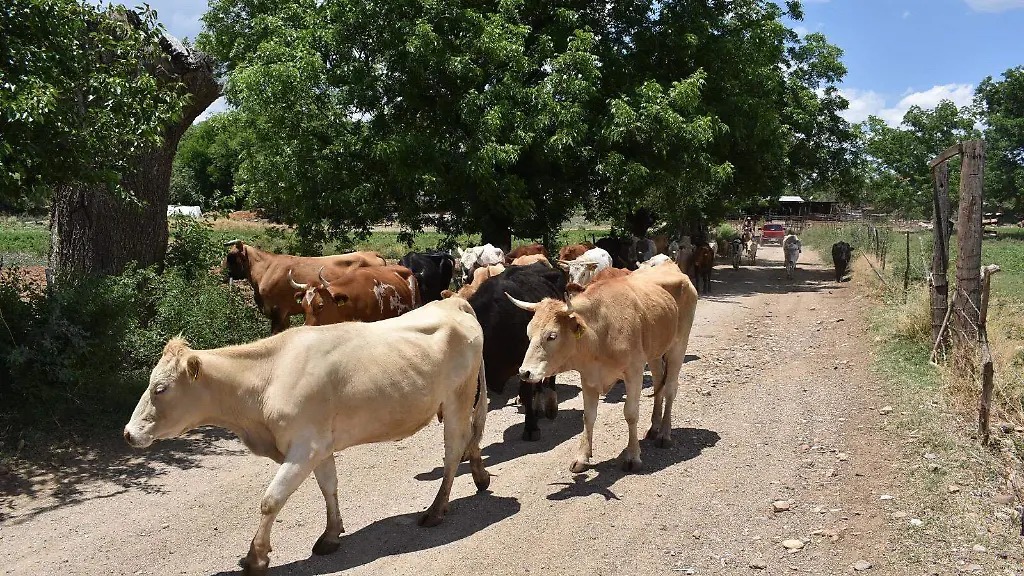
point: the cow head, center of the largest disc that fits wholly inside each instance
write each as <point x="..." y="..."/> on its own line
<point x="554" y="333"/>
<point x="320" y="303"/>
<point x="580" y="271"/>
<point x="237" y="261"/>
<point x="175" y="399"/>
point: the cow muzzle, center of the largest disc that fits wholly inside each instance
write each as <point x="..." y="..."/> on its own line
<point x="137" y="439"/>
<point x="531" y="376"/>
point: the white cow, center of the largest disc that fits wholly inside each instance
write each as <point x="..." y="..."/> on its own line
<point x="656" y="260"/>
<point x="300" y="396"/>
<point x="477" y="257"/>
<point x="792" y="247"/>
<point x="583" y="269"/>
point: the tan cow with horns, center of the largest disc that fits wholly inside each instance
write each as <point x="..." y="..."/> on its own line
<point x="300" y="396"/>
<point x="610" y="331"/>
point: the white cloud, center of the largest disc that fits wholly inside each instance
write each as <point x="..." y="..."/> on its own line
<point x="864" y="103"/>
<point x="994" y="5"/>
<point x="801" y="30"/>
<point x="906" y="14"/>
<point x="219" y="105"/>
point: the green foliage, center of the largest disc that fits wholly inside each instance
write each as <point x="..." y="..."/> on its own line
<point x="207" y="160"/>
<point x="74" y="359"/>
<point x="1002" y="106"/>
<point x="726" y="232"/>
<point x="192" y="249"/>
<point x="898" y="177"/>
<point x="77" y="100"/>
<point x="499" y="117"/>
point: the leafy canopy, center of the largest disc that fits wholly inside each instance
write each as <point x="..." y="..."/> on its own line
<point x="1002" y="106"/>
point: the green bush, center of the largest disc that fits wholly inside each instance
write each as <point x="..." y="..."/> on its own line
<point x="726" y="232"/>
<point x="74" y="358"/>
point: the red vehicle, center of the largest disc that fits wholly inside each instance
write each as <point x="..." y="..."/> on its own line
<point x="772" y="233"/>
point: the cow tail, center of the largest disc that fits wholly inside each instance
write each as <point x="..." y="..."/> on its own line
<point x="664" y="378"/>
<point x="480" y="406"/>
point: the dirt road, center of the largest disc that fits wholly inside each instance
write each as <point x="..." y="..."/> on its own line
<point x="776" y="403"/>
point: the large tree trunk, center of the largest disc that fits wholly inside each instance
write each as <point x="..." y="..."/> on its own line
<point x="92" y="231"/>
<point x="968" y="235"/>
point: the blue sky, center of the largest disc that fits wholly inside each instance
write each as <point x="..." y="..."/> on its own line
<point x="898" y="53"/>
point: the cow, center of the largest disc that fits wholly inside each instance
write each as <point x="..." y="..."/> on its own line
<point x="736" y="251"/>
<point x="472" y="258"/>
<point x="525" y="250"/>
<point x="480" y="275"/>
<point x="433" y="271"/>
<point x="610" y="331"/>
<point x="620" y="251"/>
<point x="655" y="260"/>
<point x="505" y="340"/>
<point x="662" y="244"/>
<point x="684" y="252"/>
<point x="792" y="248"/>
<point x="752" y="250"/>
<point x="581" y="270"/>
<point x="267" y="273"/>
<point x="841" y="254"/>
<point x="703" y="265"/>
<point x="574" y="251"/>
<point x="359" y="294"/>
<point x="609" y="273"/>
<point x="300" y="396"/>
<point x="531" y="259"/>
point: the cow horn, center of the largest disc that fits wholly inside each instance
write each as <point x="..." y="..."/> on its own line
<point x="323" y="280"/>
<point x="235" y="242"/>
<point x="295" y="284"/>
<point x="568" y="302"/>
<point x="528" y="306"/>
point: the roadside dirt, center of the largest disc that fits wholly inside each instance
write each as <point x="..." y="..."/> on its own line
<point x="777" y="402"/>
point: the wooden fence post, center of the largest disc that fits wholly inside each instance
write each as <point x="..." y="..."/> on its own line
<point x="906" y="273"/>
<point x="968" y="238"/>
<point x="939" y="285"/>
<point x="987" y="370"/>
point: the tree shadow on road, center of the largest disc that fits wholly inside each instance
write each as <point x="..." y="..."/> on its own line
<point x="769" y="278"/>
<point x="70" y="477"/>
<point x="568" y="424"/>
<point x="401" y="535"/>
<point x="689" y="443"/>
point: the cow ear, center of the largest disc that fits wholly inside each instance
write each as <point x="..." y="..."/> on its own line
<point x="341" y="299"/>
<point x="591" y="265"/>
<point x="192" y="366"/>
<point x="572" y="289"/>
<point x="298" y="297"/>
<point x="563" y="264"/>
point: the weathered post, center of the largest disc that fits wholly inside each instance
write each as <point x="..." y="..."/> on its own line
<point x="987" y="370"/>
<point x="939" y="285"/>
<point x="968" y="237"/>
<point x="906" y="273"/>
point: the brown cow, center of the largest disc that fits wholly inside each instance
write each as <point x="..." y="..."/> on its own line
<point x="532" y="259"/>
<point x="525" y="250"/>
<point x="610" y="331"/>
<point x="479" y="276"/>
<point x="703" y="264"/>
<point x="610" y="273"/>
<point x="574" y="251"/>
<point x="358" y="294"/>
<point x="267" y="273"/>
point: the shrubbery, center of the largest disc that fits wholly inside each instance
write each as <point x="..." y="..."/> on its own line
<point x="74" y="359"/>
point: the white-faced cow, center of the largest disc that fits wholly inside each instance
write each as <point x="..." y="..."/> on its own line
<point x="841" y="254"/>
<point x="476" y="257"/>
<point x="267" y="273"/>
<point x="359" y="294"/>
<point x="610" y="331"/>
<point x="302" y="395"/>
<point x="791" y="247"/>
<point x="582" y="270"/>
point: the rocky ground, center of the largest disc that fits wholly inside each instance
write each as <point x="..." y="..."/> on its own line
<point x="781" y="465"/>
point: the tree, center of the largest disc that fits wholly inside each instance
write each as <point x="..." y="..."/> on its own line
<point x="207" y="162"/>
<point x="96" y="100"/>
<point x="898" y="177"/>
<point x="1001" y="104"/>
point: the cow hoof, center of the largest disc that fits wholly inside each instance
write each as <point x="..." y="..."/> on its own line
<point x="253" y="567"/>
<point x="651" y="434"/>
<point x="551" y="411"/>
<point x="632" y="465"/>
<point x="482" y="483"/>
<point x="664" y="442"/>
<point x="326" y="545"/>
<point x="531" y="435"/>
<point x="430" y="519"/>
<point x="578" y="467"/>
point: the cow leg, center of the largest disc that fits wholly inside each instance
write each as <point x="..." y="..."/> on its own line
<point x="663" y="429"/>
<point x="531" y="431"/>
<point x="591" y="395"/>
<point x="458" y="435"/>
<point x="327" y="477"/>
<point x="658" y="375"/>
<point x="631" y="411"/>
<point x="550" y="399"/>
<point x="289" y="476"/>
<point x="279" y="321"/>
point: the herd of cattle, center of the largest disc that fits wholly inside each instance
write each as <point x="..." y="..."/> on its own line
<point x="394" y="348"/>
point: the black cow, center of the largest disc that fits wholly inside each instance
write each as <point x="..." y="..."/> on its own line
<point x="841" y="253"/>
<point x="433" y="272"/>
<point x="505" y="339"/>
<point x="622" y="251"/>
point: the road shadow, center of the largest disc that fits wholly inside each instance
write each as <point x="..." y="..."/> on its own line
<point x="768" y="279"/>
<point x="401" y="535"/>
<point x="568" y="425"/>
<point x="617" y="393"/>
<point x="689" y="443"/>
<point x="510" y="394"/>
<point x="70" y="477"/>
